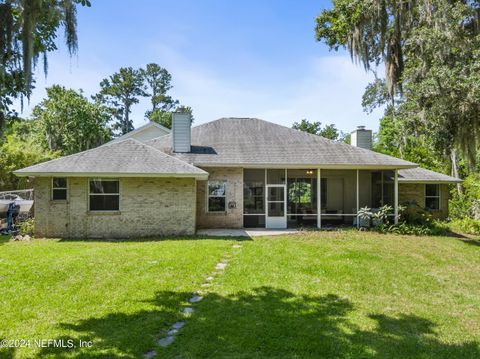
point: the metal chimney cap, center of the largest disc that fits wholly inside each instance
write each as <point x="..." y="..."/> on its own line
<point x="360" y="127"/>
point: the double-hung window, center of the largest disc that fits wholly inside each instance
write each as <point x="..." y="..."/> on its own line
<point x="217" y="196"/>
<point x="432" y="196"/>
<point x="59" y="188"/>
<point x="104" y="194"/>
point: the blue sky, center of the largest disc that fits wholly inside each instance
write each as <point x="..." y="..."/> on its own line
<point x="243" y="58"/>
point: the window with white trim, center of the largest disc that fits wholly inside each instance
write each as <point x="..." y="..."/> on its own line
<point x="104" y="194"/>
<point x="59" y="188"/>
<point x="217" y="196"/>
<point x="432" y="196"/>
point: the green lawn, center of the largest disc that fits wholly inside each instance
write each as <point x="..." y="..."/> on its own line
<point x="100" y="291"/>
<point x="329" y="294"/>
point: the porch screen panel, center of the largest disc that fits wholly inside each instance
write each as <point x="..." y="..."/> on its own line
<point x="302" y="198"/>
<point x="254" y="198"/>
<point x="339" y="197"/>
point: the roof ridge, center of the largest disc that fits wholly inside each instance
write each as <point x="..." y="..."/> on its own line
<point x="167" y="155"/>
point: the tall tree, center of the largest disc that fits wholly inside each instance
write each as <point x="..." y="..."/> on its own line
<point x="119" y="93"/>
<point x="68" y="123"/>
<point x="432" y="59"/>
<point x="158" y="81"/>
<point x="28" y="30"/>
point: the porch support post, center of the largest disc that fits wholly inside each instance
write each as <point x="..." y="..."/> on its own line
<point x="358" y="201"/>
<point x="319" y="199"/>
<point x="395" y="204"/>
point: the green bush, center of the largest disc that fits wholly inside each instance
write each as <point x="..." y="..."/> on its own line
<point x="412" y="213"/>
<point x="27" y="227"/>
<point x="466" y="225"/>
<point x="436" y="228"/>
<point x="467" y="203"/>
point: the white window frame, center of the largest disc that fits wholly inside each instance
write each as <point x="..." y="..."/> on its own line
<point x="437" y="196"/>
<point x="104" y="194"/>
<point x="214" y="196"/>
<point x="54" y="188"/>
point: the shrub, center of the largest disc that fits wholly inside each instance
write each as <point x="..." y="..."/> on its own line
<point x="27" y="227"/>
<point x="435" y="228"/>
<point x="412" y="213"/>
<point x="466" y="225"/>
<point x="364" y="216"/>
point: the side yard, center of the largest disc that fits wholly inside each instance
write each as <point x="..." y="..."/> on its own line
<point x="325" y="294"/>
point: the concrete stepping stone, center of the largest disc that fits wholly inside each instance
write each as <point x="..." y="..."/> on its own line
<point x="166" y="341"/>
<point x="150" y="354"/>
<point x="195" y="299"/>
<point x="237" y="246"/>
<point x="210" y="278"/>
<point x="172" y="331"/>
<point x="188" y="310"/>
<point x="220" y="265"/>
<point x="205" y="285"/>
<point x="178" y="325"/>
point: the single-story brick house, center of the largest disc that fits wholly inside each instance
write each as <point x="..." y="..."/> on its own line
<point x="228" y="173"/>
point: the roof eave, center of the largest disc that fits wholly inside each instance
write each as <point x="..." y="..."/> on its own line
<point x="429" y="181"/>
<point x="198" y="176"/>
<point x="305" y="165"/>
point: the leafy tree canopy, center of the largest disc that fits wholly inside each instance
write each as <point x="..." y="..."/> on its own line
<point x="28" y="31"/>
<point x="315" y="128"/>
<point x="431" y="53"/>
<point x="68" y="123"/>
<point x="119" y="92"/>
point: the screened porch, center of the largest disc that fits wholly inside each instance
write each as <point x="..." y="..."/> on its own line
<point x="315" y="198"/>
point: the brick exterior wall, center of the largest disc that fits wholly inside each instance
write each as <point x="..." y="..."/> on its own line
<point x="408" y="192"/>
<point x="232" y="217"/>
<point x="148" y="207"/>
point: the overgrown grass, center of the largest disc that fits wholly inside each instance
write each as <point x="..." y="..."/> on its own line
<point x="319" y="294"/>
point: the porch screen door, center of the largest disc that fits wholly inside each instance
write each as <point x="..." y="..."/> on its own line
<point x="276" y="211"/>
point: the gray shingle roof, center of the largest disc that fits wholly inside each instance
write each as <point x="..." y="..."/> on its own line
<point x="125" y="158"/>
<point x="251" y="142"/>
<point x="420" y="175"/>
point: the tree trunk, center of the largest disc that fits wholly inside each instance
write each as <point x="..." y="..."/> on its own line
<point x="453" y="157"/>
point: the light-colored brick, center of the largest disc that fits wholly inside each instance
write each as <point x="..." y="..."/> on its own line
<point x="148" y="207"/>
<point x="409" y="192"/>
<point x="232" y="217"/>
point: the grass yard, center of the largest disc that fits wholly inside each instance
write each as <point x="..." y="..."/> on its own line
<point x="100" y="291"/>
<point x="331" y="294"/>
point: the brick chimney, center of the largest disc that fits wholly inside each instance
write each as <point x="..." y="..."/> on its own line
<point x="361" y="138"/>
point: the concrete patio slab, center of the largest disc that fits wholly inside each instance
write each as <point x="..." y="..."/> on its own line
<point x="251" y="232"/>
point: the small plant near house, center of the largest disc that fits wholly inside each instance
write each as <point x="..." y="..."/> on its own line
<point x="380" y="217"/>
<point x="364" y="216"/>
<point x="26" y="227"/>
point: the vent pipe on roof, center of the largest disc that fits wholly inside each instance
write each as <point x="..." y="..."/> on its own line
<point x="181" y="122"/>
<point x="361" y="138"/>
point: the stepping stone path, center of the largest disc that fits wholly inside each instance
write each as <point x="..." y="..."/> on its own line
<point x="197" y="297"/>
<point x="150" y="354"/>
<point x="166" y="341"/>
<point x="220" y="266"/>
<point x="178" y="325"/>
